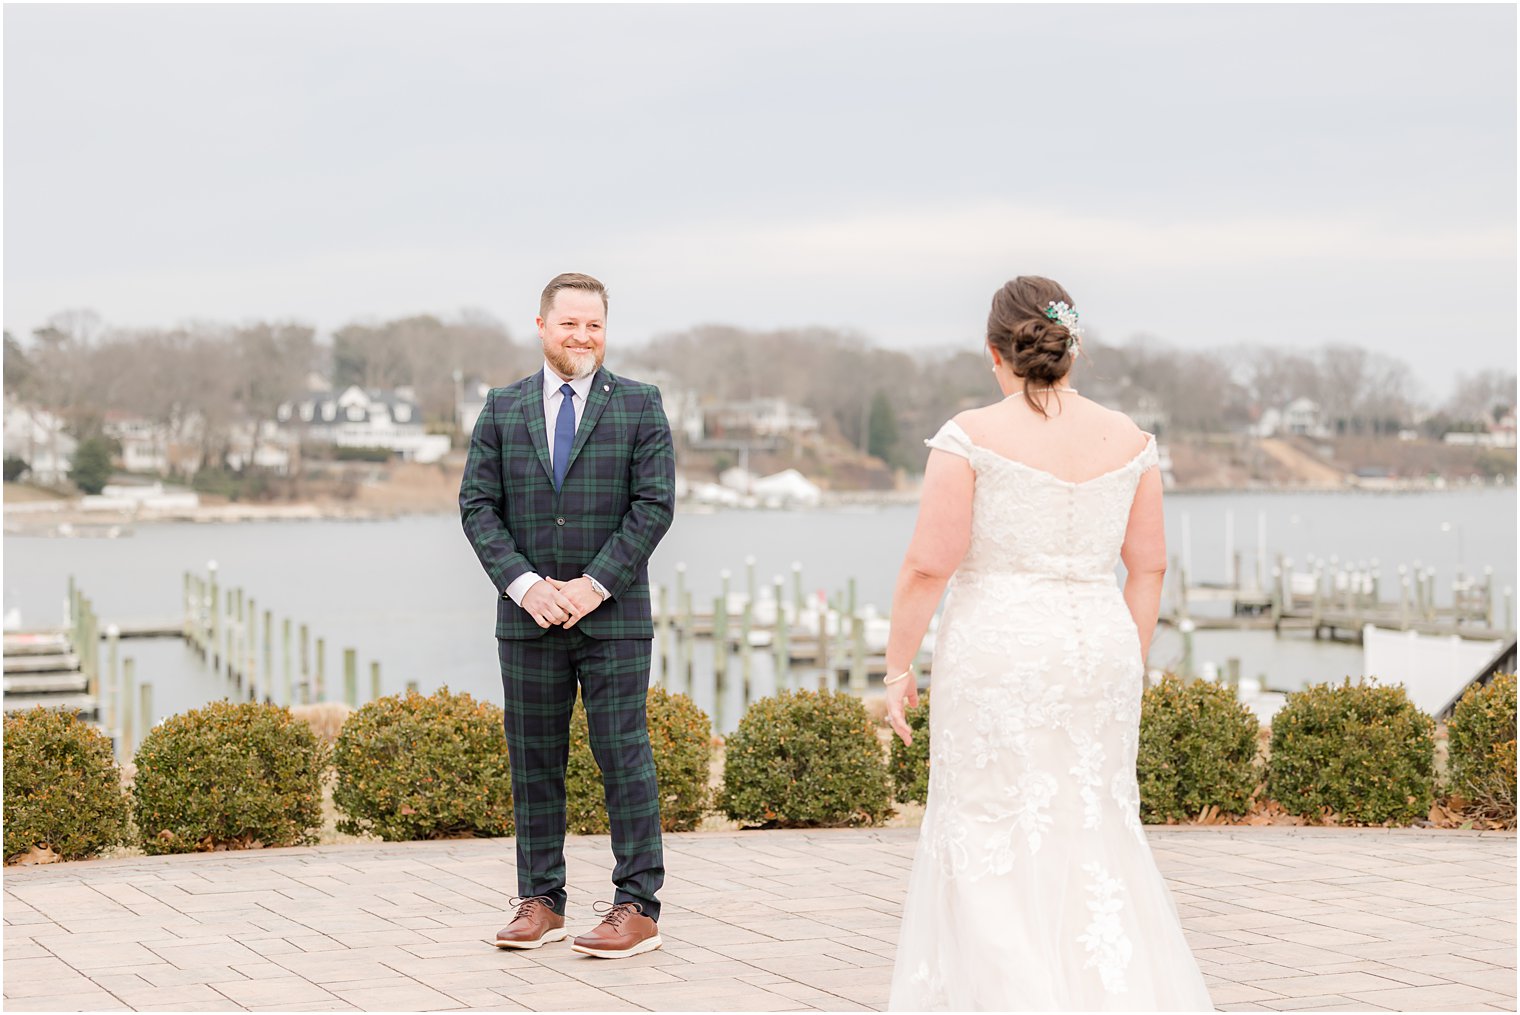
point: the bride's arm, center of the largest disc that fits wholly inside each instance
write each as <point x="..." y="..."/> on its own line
<point x="939" y="543"/>
<point x="1144" y="556"/>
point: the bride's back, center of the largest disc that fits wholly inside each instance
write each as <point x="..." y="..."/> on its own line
<point x="1052" y="493"/>
<point x="1079" y="440"/>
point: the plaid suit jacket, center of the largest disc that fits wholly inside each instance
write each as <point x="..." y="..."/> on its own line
<point x="605" y="520"/>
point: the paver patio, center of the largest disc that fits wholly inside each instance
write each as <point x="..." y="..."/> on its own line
<point x="1280" y="918"/>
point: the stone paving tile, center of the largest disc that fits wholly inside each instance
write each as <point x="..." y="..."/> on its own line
<point x="571" y="996"/>
<point x="1319" y="1002"/>
<point x="333" y="1005"/>
<point x="1500" y="981"/>
<point x="290" y="990"/>
<point x="89" y="1000"/>
<point x="1408" y="977"/>
<point x="1445" y="996"/>
<point x="163" y="974"/>
<point x="1325" y="983"/>
<point x="216" y="950"/>
<point x="407" y="996"/>
<point x="1280" y="919"/>
<point x="149" y="997"/>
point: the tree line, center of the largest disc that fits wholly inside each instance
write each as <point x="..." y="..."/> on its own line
<point x="201" y="379"/>
<point x="884" y="401"/>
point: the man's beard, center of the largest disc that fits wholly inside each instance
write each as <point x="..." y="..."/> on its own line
<point x="574" y="364"/>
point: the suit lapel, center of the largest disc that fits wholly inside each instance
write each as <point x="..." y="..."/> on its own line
<point x="533" y="415"/>
<point x="596" y="400"/>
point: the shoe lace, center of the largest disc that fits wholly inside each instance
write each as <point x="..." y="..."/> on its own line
<point x="615" y="913"/>
<point x="526" y="907"/>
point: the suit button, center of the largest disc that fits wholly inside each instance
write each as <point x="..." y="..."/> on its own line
<point x="559" y="521"/>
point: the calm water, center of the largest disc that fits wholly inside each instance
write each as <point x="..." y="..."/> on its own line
<point x="410" y="593"/>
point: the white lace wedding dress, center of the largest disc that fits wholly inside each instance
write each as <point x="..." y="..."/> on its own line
<point x="1033" y="886"/>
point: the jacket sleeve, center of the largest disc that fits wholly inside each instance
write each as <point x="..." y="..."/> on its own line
<point x="652" y="501"/>
<point x="482" y="503"/>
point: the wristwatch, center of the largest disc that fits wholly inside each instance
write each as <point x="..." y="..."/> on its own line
<point x="600" y="589"/>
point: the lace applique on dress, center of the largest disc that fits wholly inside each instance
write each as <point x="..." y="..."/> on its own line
<point x="1107" y="948"/>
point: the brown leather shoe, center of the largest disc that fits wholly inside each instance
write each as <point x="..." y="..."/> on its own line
<point x="624" y="931"/>
<point x="535" y="925"/>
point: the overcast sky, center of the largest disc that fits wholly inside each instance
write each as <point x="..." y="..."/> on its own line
<point x="1209" y="175"/>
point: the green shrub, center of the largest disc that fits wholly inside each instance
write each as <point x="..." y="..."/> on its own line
<point x="1360" y="752"/>
<point x="419" y="766"/>
<point x="805" y="758"/>
<point x="91" y="468"/>
<point x="1197" y="745"/>
<point x="680" y="734"/>
<point x="62" y="786"/>
<point x="15" y="468"/>
<point x="228" y="776"/>
<point x="1480" y="742"/>
<point x="910" y="762"/>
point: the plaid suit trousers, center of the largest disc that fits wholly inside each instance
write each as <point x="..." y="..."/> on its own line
<point x="539" y="678"/>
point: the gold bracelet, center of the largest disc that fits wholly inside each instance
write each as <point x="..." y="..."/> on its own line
<point x="904" y="675"/>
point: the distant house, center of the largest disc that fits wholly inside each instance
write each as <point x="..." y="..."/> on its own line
<point x="359" y="418"/>
<point x="36" y="437"/>
<point x="761" y="417"/>
<point x="470" y="404"/>
<point x="683" y="406"/>
<point x="144" y="443"/>
<point x="1301" y="417"/>
<point x="264" y="445"/>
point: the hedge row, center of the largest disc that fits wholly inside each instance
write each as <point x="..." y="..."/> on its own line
<point x="436" y="766"/>
<point x="242" y="775"/>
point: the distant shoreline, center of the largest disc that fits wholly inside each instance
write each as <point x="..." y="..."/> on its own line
<point x="65" y="517"/>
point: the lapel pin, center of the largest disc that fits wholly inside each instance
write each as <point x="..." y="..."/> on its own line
<point x="606" y="387"/>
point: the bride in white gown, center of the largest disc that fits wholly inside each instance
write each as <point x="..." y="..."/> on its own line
<point x="1033" y="886"/>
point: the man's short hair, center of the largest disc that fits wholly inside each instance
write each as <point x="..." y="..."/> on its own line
<point x="570" y="280"/>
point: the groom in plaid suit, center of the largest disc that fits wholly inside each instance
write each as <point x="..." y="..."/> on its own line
<point x="569" y="485"/>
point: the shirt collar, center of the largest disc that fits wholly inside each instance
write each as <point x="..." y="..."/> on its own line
<point x="553" y="382"/>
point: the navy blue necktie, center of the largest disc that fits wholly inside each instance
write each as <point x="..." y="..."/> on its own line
<point x="564" y="433"/>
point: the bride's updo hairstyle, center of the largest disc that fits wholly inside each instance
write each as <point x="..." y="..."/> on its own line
<point x="1037" y="348"/>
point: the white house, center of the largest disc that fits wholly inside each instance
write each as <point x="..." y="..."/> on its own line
<point x="357" y="418"/>
<point x="469" y="405"/>
<point x="683" y="406"/>
<point x="37" y="438"/>
<point x="264" y="445"/>
<point x="1301" y="416"/>
<point x="764" y="417"/>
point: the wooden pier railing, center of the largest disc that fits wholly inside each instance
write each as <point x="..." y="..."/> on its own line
<point x="79" y="667"/>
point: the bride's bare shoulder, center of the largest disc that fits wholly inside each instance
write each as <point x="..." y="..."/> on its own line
<point x="978" y="422"/>
<point x="1126" y="430"/>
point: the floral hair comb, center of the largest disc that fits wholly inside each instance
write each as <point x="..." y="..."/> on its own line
<point x="1066" y="315"/>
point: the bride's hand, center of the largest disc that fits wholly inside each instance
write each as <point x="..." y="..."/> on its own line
<point x="904" y="691"/>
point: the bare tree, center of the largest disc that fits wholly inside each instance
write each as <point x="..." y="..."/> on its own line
<point x="1277" y="376"/>
<point x="1345" y="371"/>
<point x="1483" y="394"/>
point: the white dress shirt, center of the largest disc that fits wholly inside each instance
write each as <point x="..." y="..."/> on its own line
<point x="552" y="397"/>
